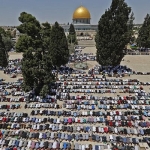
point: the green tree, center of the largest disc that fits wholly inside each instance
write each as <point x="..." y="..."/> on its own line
<point x="3" y="54"/>
<point x="8" y="43"/>
<point x="47" y="76"/>
<point x="6" y="37"/>
<point x="30" y="28"/>
<point x="44" y="90"/>
<point x="58" y="46"/>
<point x="24" y="43"/>
<point x="45" y="35"/>
<point x="2" y="31"/>
<point x="143" y="39"/>
<point x="72" y="30"/>
<point x="47" y="66"/>
<point x="8" y="34"/>
<point x="30" y="25"/>
<point x="28" y="64"/>
<point x="72" y="35"/>
<point x="38" y="71"/>
<point x="114" y="33"/>
<point x="36" y="62"/>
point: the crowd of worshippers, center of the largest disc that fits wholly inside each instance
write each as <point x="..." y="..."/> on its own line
<point x="45" y="131"/>
<point x="13" y="88"/>
<point x="118" y="71"/>
<point x="87" y="84"/>
<point x="63" y="70"/>
<point x="51" y="124"/>
<point x="71" y="114"/>
<point x="14" y="66"/>
<point x="8" y="99"/>
<point x="31" y="144"/>
<point x="13" y="106"/>
<point x="25" y="134"/>
<point x="78" y="56"/>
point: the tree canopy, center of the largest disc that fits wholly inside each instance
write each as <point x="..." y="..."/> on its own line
<point x="28" y="70"/>
<point x="72" y="35"/>
<point x="24" y="43"/>
<point x="45" y="35"/>
<point x="30" y="29"/>
<point x="6" y="38"/>
<point x="72" y="30"/>
<point x="9" y="44"/>
<point x="3" y="54"/>
<point x="114" y="33"/>
<point x="43" y="47"/>
<point x="2" y="32"/>
<point x="30" y="25"/>
<point x="58" y="46"/>
<point x="143" y="39"/>
<point x="36" y="62"/>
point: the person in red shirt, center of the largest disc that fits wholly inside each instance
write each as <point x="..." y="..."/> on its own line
<point x="14" y="148"/>
<point x="117" y="112"/>
<point x="111" y="123"/>
<point x="4" y="119"/>
<point x="1" y="135"/>
<point x="141" y="88"/>
<point x="105" y="129"/>
<point x="119" y="102"/>
<point x="129" y="124"/>
<point x="78" y="120"/>
<point x="8" y="106"/>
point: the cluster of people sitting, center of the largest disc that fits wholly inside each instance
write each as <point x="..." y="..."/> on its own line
<point x="71" y="85"/>
<point x="75" y="115"/>
<point x="13" y="89"/>
<point x="12" y="99"/>
<point x="118" y="71"/>
<point x="78" y="56"/>
<point x="13" y="67"/>
<point x="14" y="144"/>
<point x="13" y="106"/>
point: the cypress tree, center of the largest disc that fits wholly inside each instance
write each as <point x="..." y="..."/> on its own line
<point x="72" y="30"/>
<point x="48" y="76"/>
<point x="114" y="33"/>
<point x="28" y="65"/>
<point x="143" y="39"/>
<point x="3" y="54"/>
<point x="45" y="35"/>
<point x="72" y="35"/>
<point x="58" y="46"/>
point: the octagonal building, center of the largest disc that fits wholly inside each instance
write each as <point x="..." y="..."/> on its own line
<point x="81" y="19"/>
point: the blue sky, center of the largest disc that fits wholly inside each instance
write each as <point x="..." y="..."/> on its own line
<point x="62" y="10"/>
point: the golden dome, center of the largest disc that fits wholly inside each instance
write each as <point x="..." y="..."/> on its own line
<point x="81" y="13"/>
